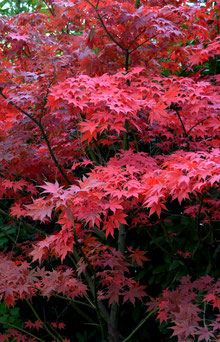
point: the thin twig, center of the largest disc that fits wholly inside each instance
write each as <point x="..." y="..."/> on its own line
<point x="43" y="109"/>
<point x="38" y="123"/>
<point x="7" y="235"/>
<point x="105" y="28"/>
<point x="137" y="37"/>
<point x="198" y="123"/>
<point x="44" y="325"/>
<point x="94" y="275"/>
<point x="82" y="313"/>
<point x="23" y="330"/>
<point x="76" y="301"/>
<point x="147" y="40"/>
<point x="181" y="121"/>
<point x="138" y="327"/>
<point x="97" y="4"/>
<point x="157" y="244"/>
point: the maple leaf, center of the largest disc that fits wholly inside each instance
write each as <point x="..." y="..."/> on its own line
<point x="51" y="188"/>
<point x="40" y="209"/>
<point x="34" y="325"/>
<point x="29" y="324"/>
<point x="16" y="36"/>
<point x="61" y="325"/>
<point x="113" y="205"/>
<point x="215" y="325"/>
<point x="158" y="113"/>
<point x="162" y="316"/>
<point x="216" y="303"/>
<point x="14" y="185"/>
<point x="113" y="293"/>
<point x="184" y="255"/>
<point x="171" y="95"/>
<point x="17" y="210"/>
<point x="114" y="221"/>
<point x="134" y="292"/>
<point x="89" y="129"/>
<point x="81" y="266"/>
<point x="137" y="256"/>
<point x="204" y="334"/>
<point x="210" y="297"/>
<point x="39" y="253"/>
<point x="183" y="329"/>
<point x="214" y="299"/>
<point x="8" y="184"/>
<point x="4" y="337"/>
<point x="197" y="57"/>
<point x="156" y="205"/>
<point x="9" y="300"/>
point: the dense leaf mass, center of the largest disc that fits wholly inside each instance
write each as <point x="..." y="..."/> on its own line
<point x="110" y="168"/>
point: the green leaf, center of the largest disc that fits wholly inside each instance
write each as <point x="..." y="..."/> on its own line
<point x="3" y="308"/>
<point x="175" y="264"/>
<point x="159" y="269"/>
<point x="4" y="318"/>
<point x="3" y="241"/>
<point x="14" y="311"/>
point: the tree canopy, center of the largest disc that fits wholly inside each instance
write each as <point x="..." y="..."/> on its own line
<point x="109" y="174"/>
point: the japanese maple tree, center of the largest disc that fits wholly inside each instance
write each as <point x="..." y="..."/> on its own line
<point x="110" y="163"/>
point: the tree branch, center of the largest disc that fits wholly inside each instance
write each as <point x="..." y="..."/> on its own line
<point x="181" y="121"/>
<point x="105" y="28"/>
<point x="198" y="123"/>
<point x="138" y="327"/>
<point x="147" y="40"/>
<point x="44" y="325"/>
<point x="95" y="280"/>
<point x="137" y="37"/>
<point x="43" y="109"/>
<point x="59" y="167"/>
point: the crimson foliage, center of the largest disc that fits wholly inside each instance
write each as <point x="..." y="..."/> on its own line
<point x="110" y="169"/>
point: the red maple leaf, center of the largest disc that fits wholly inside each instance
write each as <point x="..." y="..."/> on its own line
<point x="34" y="325"/>
<point x="171" y="95"/>
<point x="137" y="256"/>
<point x="9" y="300"/>
<point x="158" y="113"/>
<point x="17" y="210"/>
<point x="204" y="334"/>
<point x="134" y="292"/>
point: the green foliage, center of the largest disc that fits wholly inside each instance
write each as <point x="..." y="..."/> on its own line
<point x="10" y="315"/>
<point x="13" y="7"/>
<point x="7" y="234"/>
